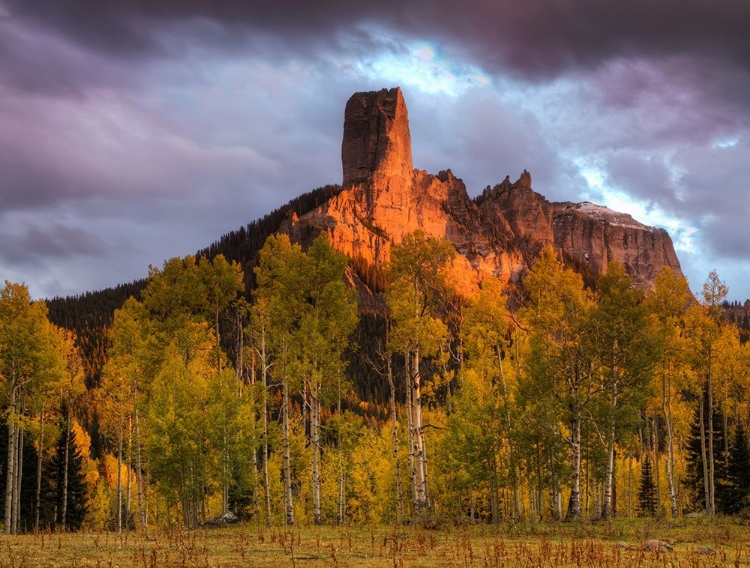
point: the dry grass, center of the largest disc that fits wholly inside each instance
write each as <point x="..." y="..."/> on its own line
<point x="697" y="544"/>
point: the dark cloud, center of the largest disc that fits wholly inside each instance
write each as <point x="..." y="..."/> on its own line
<point x="163" y="124"/>
<point x="31" y="62"/>
<point x="534" y="39"/>
<point x="34" y="243"/>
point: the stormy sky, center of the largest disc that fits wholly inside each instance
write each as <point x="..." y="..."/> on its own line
<point x="138" y="130"/>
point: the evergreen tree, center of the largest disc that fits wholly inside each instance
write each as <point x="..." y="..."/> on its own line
<point x="76" y="506"/>
<point x="738" y="473"/>
<point x="647" y="490"/>
<point x="693" y="480"/>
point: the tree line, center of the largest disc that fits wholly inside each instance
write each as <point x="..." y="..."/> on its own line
<point x="563" y="402"/>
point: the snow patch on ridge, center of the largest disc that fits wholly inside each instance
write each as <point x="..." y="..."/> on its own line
<point x="600" y="212"/>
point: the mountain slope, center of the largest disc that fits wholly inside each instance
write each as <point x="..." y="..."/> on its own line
<point x="497" y="234"/>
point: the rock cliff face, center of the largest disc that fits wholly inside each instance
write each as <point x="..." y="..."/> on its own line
<point x="377" y="143"/>
<point x="497" y="234"/>
<point x="589" y="236"/>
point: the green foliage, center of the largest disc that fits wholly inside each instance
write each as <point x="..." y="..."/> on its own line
<point x="695" y="461"/>
<point x="176" y="444"/>
<point x="738" y="473"/>
<point x="77" y="497"/>
<point x="417" y="293"/>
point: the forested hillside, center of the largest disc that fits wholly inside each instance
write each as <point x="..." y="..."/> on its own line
<point x="89" y="315"/>
<point x="570" y="402"/>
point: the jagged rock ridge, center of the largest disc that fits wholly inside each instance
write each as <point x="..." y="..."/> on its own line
<point x="498" y="234"/>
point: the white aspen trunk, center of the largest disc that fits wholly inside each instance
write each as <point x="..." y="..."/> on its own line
<point x="410" y="427"/>
<point x="288" y="505"/>
<point x="130" y="469"/>
<point x="342" y="499"/>
<point x="574" y="503"/>
<point x="256" y="476"/>
<point x="669" y="459"/>
<point x="139" y="475"/>
<point x="119" y="481"/>
<point x="655" y="460"/>
<point x="38" y="501"/>
<point x="341" y="511"/>
<point x="17" y="485"/>
<point x="225" y="472"/>
<point x="11" y="462"/>
<point x="704" y="459"/>
<point x="609" y="475"/>
<point x="266" y="487"/>
<point x="421" y="501"/>
<point x="509" y="426"/>
<point x="614" y="485"/>
<point x="426" y="470"/>
<point x="264" y="378"/>
<point x="315" y="447"/>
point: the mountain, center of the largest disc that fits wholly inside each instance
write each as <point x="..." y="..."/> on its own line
<point x="382" y="198"/>
<point x="499" y="233"/>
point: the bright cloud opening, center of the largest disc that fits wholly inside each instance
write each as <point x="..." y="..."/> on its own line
<point x="683" y="236"/>
<point x="421" y="65"/>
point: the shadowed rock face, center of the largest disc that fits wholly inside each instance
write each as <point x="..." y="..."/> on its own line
<point x="498" y="234"/>
<point x="589" y="236"/>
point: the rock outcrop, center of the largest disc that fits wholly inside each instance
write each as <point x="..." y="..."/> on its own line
<point x="377" y="143"/>
<point x="498" y="234"/>
<point x="589" y="236"/>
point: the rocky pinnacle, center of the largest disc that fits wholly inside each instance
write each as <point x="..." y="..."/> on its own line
<point x="377" y="143"/>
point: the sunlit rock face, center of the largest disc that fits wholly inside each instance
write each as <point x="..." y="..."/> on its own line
<point x="377" y="143"/>
<point x="498" y="234"/>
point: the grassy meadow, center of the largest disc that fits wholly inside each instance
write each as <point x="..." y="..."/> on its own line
<point x="696" y="543"/>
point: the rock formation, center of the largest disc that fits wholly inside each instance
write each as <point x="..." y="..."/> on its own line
<point x="377" y="143"/>
<point x="589" y="236"/>
<point x="497" y="234"/>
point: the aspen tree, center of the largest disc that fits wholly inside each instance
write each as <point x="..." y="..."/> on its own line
<point x="416" y="299"/>
<point x="625" y="351"/>
<point x="486" y="330"/>
<point x="26" y="354"/>
<point x="281" y="289"/>
<point x="665" y="304"/>
<point x="559" y="368"/>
